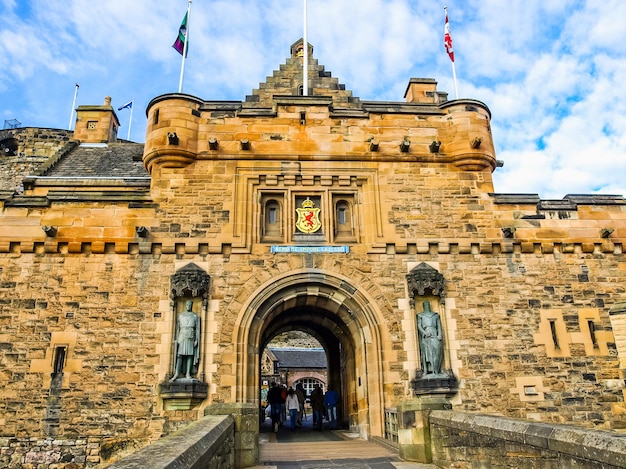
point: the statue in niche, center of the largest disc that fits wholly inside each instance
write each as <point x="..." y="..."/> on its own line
<point x="430" y="342"/>
<point x="187" y="343"/>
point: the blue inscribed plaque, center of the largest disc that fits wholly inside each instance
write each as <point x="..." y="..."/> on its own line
<point x="311" y="249"/>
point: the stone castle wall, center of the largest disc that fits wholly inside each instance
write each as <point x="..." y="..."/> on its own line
<point x="37" y="146"/>
<point x="87" y="316"/>
<point x="109" y="302"/>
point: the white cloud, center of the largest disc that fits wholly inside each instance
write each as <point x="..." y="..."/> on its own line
<point x="551" y="71"/>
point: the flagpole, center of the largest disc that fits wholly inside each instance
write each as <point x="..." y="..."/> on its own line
<point x="305" y="70"/>
<point x="130" y="120"/>
<point x="451" y="51"/>
<point x="182" y="66"/>
<point x="69" y="127"/>
<point x="456" y="88"/>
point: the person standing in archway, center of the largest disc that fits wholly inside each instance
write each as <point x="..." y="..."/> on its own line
<point x="331" y="398"/>
<point x="283" y="407"/>
<point x="301" y="399"/>
<point x="317" y="405"/>
<point x="274" y="399"/>
<point x="293" y="407"/>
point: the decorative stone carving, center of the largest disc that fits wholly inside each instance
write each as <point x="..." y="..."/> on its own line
<point x="424" y="278"/>
<point x="187" y="343"/>
<point x="424" y="281"/>
<point x="191" y="280"/>
<point x="430" y="336"/>
<point x="183" y="391"/>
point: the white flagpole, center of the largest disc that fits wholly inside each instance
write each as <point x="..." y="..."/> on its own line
<point x="69" y="127"/>
<point x="305" y="70"/>
<point x="456" y="87"/>
<point x="182" y="66"/>
<point x="130" y="120"/>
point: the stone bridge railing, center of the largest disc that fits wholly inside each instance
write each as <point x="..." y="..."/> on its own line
<point x="469" y="439"/>
<point x="209" y="442"/>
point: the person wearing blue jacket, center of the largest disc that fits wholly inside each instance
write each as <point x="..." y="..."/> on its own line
<point x="331" y="398"/>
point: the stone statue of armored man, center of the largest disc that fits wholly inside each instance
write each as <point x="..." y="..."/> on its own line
<point x="187" y="343"/>
<point x="430" y="335"/>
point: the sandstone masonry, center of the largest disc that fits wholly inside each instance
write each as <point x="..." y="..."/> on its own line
<point x="95" y="268"/>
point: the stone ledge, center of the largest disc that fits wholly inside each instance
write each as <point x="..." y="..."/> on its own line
<point x="189" y="447"/>
<point x="592" y="445"/>
<point x="186" y="246"/>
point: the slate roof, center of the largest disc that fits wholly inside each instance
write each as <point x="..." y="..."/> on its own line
<point x="112" y="160"/>
<point x="300" y="357"/>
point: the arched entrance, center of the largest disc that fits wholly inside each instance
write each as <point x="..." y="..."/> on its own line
<point x="337" y="314"/>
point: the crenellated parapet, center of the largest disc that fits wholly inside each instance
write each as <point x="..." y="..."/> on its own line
<point x="183" y="129"/>
<point x="279" y="122"/>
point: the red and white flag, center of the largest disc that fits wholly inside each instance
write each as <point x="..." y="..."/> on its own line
<point x="447" y="39"/>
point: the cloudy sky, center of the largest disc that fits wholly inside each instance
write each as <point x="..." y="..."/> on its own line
<point x="553" y="72"/>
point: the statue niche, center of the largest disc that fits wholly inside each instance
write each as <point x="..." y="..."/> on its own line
<point x="186" y="387"/>
<point x="187" y="341"/>
<point x="424" y="283"/>
<point x="430" y="335"/>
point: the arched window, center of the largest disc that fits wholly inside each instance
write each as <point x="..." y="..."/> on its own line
<point x="272" y="220"/>
<point x="344" y="224"/>
<point x="308" y="384"/>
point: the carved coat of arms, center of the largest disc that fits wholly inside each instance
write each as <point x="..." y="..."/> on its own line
<point x="308" y="217"/>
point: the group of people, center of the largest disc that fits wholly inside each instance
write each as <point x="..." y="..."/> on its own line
<point x="283" y="401"/>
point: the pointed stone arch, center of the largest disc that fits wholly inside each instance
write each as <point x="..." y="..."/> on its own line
<point x="345" y="320"/>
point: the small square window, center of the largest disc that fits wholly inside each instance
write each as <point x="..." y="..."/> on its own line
<point x="530" y="391"/>
<point x="91" y="125"/>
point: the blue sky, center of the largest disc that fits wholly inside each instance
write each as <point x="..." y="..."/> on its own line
<point x="551" y="71"/>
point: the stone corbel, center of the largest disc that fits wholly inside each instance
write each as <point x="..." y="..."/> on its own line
<point x="423" y="279"/>
<point x="434" y="146"/>
<point x="191" y="280"/>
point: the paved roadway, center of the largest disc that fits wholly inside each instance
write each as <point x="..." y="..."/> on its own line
<point x="305" y="448"/>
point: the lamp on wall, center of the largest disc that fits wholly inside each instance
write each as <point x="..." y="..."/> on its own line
<point x="142" y="231"/>
<point x="172" y="138"/>
<point x="245" y="144"/>
<point x="213" y="143"/>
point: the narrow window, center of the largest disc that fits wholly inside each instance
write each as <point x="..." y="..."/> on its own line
<point x="592" y="333"/>
<point x="156" y="117"/>
<point x="272" y="220"/>
<point x="272" y="215"/>
<point x="530" y="391"/>
<point x="60" y="353"/>
<point x="555" y="338"/>
<point x="341" y="215"/>
<point x="343" y="219"/>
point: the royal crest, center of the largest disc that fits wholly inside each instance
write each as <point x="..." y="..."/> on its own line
<point x="308" y="217"/>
